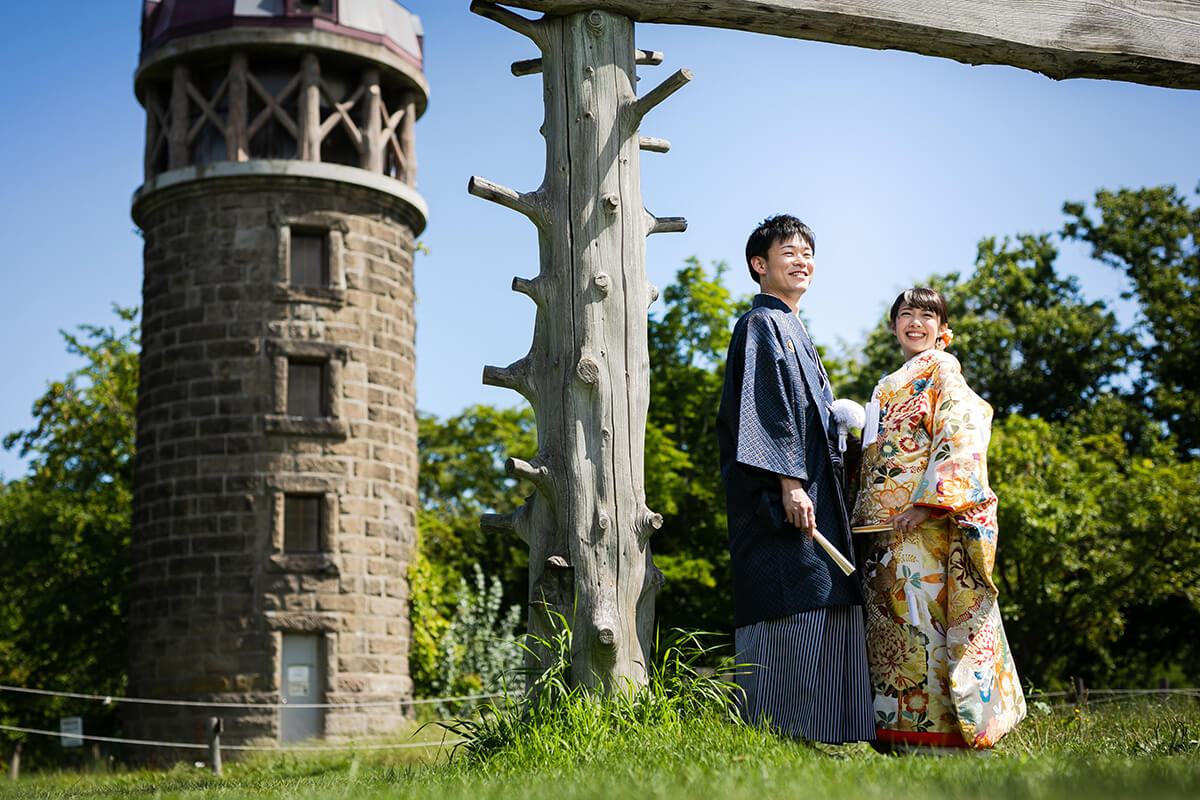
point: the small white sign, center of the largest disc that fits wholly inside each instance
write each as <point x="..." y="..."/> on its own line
<point x="72" y="730"/>
<point x="298" y="680"/>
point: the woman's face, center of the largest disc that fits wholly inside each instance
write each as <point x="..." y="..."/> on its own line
<point x="916" y="329"/>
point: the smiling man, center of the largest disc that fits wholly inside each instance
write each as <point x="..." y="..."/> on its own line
<point x="799" y="619"/>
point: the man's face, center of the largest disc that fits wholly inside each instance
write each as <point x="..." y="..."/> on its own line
<point x="787" y="270"/>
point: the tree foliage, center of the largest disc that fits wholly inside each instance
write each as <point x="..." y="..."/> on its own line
<point x="64" y="531"/>
<point x="688" y="343"/>
<point x="1093" y="537"/>
<point x="1027" y="339"/>
<point x="1154" y="238"/>
<point x="461" y="476"/>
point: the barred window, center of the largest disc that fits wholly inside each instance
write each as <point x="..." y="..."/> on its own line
<point x="309" y="262"/>
<point x="306" y="389"/>
<point x="301" y="523"/>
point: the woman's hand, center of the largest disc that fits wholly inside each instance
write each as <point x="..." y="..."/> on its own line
<point x="909" y="520"/>
<point x="797" y="506"/>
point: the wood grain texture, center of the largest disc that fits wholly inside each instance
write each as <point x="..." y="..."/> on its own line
<point x="587" y="372"/>
<point x="1153" y="42"/>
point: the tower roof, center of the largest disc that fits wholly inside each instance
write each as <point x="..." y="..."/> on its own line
<point x="384" y="22"/>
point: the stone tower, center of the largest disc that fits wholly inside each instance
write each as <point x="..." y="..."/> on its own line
<point x="275" y="488"/>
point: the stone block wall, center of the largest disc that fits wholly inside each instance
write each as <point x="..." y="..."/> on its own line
<point x="212" y="588"/>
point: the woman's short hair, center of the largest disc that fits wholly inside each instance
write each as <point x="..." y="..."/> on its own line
<point x="920" y="297"/>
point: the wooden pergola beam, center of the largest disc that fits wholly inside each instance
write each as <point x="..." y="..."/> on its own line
<point x="1155" y="42"/>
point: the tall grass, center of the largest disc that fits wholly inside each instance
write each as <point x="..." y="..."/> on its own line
<point x="554" y="722"/>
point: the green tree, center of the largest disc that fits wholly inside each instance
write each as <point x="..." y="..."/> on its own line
<point x="1028" y="340"/>
<point x="64" y="531"/>
<point x="1154" y="238"/>
<point x="1093" y="537"/>
<point x="461" y="476"/>
<point x="688" y="344"/>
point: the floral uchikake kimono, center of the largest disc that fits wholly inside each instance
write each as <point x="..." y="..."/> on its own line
<point x="940" y="664"/>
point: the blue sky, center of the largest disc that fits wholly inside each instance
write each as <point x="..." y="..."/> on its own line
<point x="900" y="163"/>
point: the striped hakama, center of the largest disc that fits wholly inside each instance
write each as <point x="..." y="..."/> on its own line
<point x="807" y="675"/>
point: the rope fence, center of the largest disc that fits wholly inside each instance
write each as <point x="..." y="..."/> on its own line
<point x="109" y="699"/>
<point x="214" y="746"/>
<point x="1080" y="696"/>
<point x="241" y="747"/>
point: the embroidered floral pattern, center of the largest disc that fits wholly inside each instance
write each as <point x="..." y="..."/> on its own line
<point x="938" y="656"/>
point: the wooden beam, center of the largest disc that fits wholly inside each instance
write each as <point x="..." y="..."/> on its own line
<point x="237" y="143"/>
<point x="309" y="122"/>
<point x="372" y="154"/>
<point x="178" y="153"/>
<point x="408" y="138"/>
<point x="1151" y="41"/>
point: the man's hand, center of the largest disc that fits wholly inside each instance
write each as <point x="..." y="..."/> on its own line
<point x="909" y="520"/>
<point x="797" y="507"/>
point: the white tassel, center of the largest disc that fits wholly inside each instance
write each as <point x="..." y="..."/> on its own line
<point x="848" y="415"/>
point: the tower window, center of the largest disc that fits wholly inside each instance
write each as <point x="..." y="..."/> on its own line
<point x="301" y="523"/>
<point x="309" y="261"/>
<point x="306" y="389"/>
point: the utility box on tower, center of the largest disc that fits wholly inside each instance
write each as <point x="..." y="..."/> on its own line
<point x="275" y="487"/>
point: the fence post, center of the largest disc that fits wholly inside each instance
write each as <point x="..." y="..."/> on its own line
<point x="14" y="770"/>
<point x="1080" y="693"/>
<point x="214" y="744"/>
<point x="1164" y="684"/>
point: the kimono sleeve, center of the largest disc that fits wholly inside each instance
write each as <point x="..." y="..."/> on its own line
<point x="770" y="434"/>
<point x="956" y="478"/>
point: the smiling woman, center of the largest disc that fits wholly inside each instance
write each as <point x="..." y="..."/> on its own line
<point x="919" y="321"/>
<point x="940" y="664"/>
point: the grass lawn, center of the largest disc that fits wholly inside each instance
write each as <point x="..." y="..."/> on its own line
<point x="1134" y="749"/>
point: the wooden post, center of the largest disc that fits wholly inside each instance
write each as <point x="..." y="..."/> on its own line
<point x="372" y="153"/>
<point x="237" y="140"/>
<point x="1164" y="686"/>
<point x="177" y="139"/>
<point x="1080" y="693"/>
<point x="587" y="373"/>
<point x="408" y="138"/>
<point x="214" y="744"/>
<point x="14" y="766"/>
<point x="153" y="131"/>
<point x="309" y="123"/>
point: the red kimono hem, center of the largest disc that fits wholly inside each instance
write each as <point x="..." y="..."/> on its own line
<point x="929" y="739"/>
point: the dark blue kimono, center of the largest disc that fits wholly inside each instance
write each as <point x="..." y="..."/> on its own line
<point x="774" y="420"/>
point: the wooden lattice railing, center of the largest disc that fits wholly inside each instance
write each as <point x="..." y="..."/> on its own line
<point x="178" y="113"/>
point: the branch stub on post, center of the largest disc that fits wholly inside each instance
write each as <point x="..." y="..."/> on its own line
<point x="527" y="204"/>
<point x="659" y="93"/>
<point x="668" y="225"/>
<point x="529" y="28"/>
